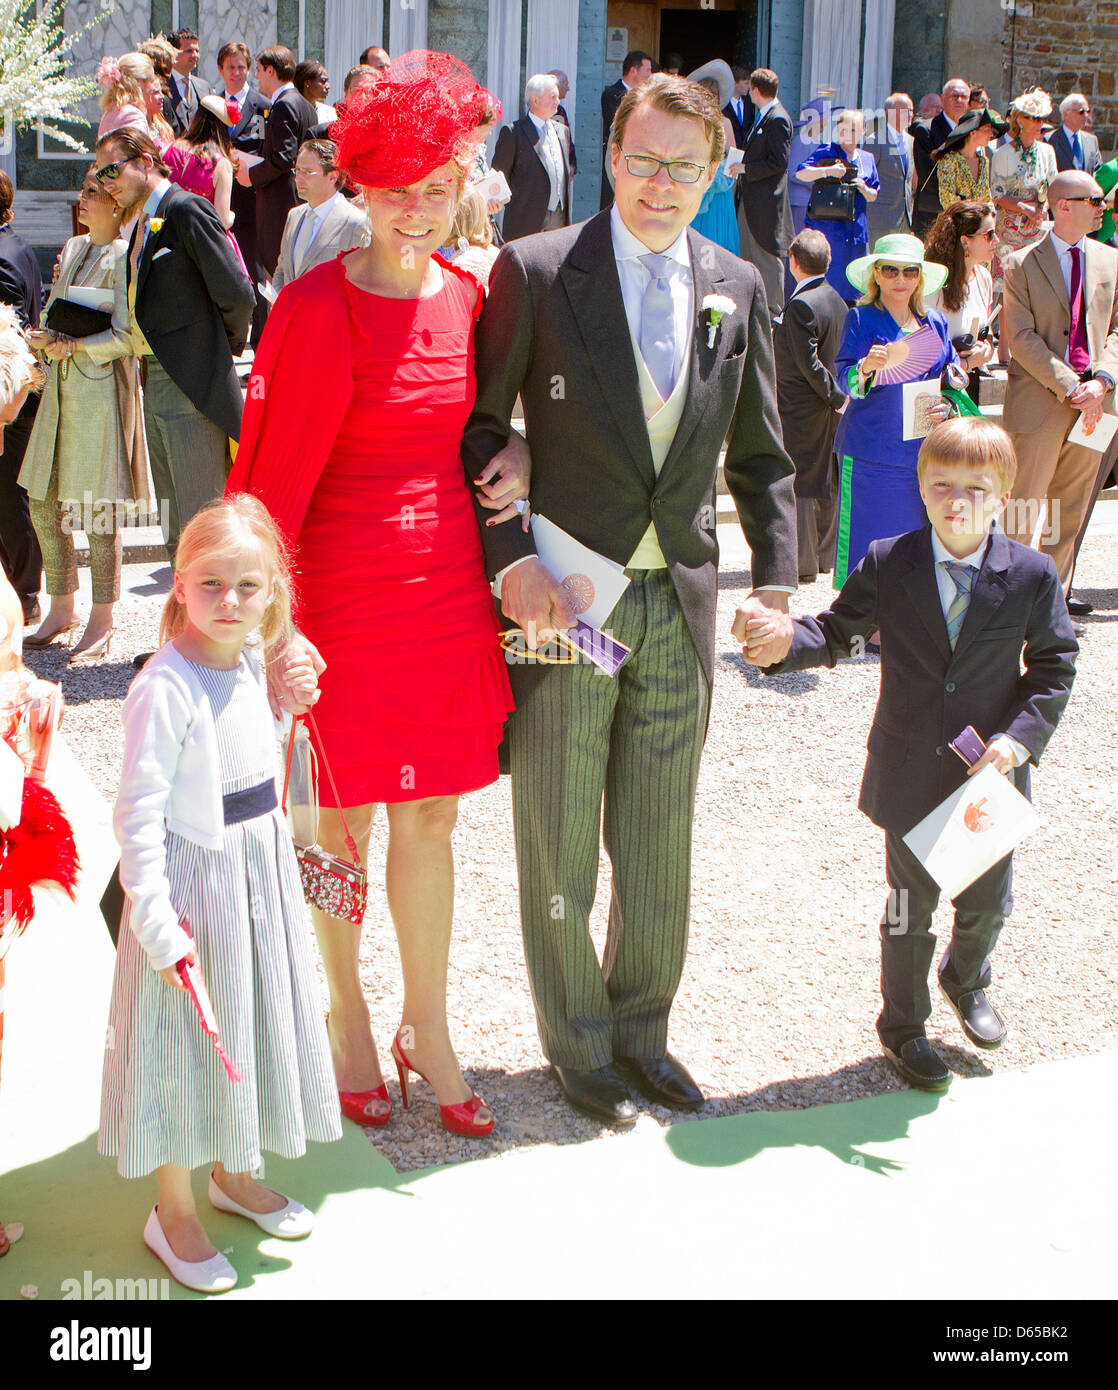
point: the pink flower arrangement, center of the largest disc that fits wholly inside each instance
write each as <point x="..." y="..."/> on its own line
<point x="108" y="73"/>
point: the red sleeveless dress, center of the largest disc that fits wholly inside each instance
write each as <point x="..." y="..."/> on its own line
<point x="391" y="581"/>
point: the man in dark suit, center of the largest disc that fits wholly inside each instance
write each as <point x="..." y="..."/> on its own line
<point x="739" y="110"/>
<point x="561" y="115"/>
<point x="535" y="157"/>
<point x="21" y="287"/>
<point x="186" y="90"/>
<point x="928" y="135"/>
<point x="955" y="603"/>
<point x="288" y="121"/>
<point x="234" y="62"/>
<point x="806" y="340"/>
<point x="191" y="308"/>
<point x="625" y="445"/>
<point x="1075" y="146"/>
<point x="635" y="69"/>
<point x="764" y="215"/>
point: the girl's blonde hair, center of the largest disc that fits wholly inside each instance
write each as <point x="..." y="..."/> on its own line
<point x="471" y="220"/>
<point x="121" y="82"/>
<point x="223" y="528"/>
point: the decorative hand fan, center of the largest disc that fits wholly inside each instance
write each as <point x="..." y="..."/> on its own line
<point x="912" y="357"/>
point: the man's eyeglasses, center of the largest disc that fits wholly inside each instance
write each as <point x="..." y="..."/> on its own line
<point x="109" y="173"/>
<point x="1096" y="202"/>
<point x="890" y="272"/>
<point x="644" y="166"/>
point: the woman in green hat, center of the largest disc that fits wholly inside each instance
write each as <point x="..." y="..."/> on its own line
<point x="891" y="332"/>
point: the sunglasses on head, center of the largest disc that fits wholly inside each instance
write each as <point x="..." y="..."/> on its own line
<point x="910" y="272"/>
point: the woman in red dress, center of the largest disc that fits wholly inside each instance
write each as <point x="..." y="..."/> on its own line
<point x="351" y="437"/>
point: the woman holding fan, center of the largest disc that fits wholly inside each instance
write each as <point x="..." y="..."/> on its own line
<point x="889" y="338"/>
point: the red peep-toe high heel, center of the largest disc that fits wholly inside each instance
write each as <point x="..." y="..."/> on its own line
<point x="457" y="1119"/>
<point x="353" y="1105"/>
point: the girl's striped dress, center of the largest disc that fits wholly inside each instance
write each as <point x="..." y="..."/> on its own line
<point x="166" y="1097"/>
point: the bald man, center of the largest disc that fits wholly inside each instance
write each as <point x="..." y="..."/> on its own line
<point x="1060" y="316"/>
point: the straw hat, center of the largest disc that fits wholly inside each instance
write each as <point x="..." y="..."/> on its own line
<point x="720" y="71"/>
<point x="217" y="106"/>
<point x="898" y="249"/>
<point x="1035" y="102"/>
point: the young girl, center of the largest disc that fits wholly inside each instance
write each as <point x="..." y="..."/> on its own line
<point x="205" y="847"/>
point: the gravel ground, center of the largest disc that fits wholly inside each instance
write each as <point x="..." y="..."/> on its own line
<point x="777" y="1005"/>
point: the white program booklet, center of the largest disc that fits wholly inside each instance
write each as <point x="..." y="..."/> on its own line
<point x="593" y="584"/>
<point x="91" y="297"/>
<point x="969" y="832"/>
<point x="916" y="396"/>
<point x="494" y="188"/>
<point x="1098" y="436"/>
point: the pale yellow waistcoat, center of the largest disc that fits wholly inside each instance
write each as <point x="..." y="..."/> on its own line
<point x="662" y="418"/>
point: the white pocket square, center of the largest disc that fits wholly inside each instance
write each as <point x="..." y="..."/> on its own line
<point x="166" y="251"/>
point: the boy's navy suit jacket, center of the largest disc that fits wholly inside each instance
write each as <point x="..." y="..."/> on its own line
<point x="930" y="693"/>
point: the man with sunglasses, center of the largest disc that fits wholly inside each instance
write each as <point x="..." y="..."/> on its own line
<point x="191" y="307"/>
<point x="637" y="346"/>
<point x="1060" y="318"/>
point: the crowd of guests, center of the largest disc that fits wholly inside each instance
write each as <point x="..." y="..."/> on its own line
<point x="371" y="467"/>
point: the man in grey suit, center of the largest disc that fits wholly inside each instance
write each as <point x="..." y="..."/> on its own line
<point x="326" y="223"/>
<point x="891" y="146"/>
<point x="1075" y="146"/>
<point x="186" y="89"/>
<point x="631" y="382"/>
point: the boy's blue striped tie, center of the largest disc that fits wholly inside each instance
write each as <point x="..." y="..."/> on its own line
<point x="962" y="576"/>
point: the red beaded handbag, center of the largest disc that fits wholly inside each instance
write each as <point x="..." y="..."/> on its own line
<point x="331" y="884"/>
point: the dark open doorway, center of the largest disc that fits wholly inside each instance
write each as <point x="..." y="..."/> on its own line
<point x="700" y="35"/>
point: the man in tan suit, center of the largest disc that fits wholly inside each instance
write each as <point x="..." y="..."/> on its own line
<point x="1061" y="320"/>
<point x="325" y="223"/>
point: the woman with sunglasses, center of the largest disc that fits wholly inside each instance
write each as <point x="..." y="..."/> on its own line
<point x="962" y="239"/>
<point x="878" y="490"/>
<point x="87" y="455"/>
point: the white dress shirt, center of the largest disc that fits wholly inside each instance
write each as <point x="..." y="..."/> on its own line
<point x="551" y="151"/>
<point x="947" y="592"/>
<point x="634" y="278"/>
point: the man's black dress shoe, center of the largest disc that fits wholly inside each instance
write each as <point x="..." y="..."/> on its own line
<point x="981" y="1022"/>
<point x="920" y="1065"/>
<point x="1079" y="607"/>
<point x="662" y="1080"/>
<point x="601" y="1094"/>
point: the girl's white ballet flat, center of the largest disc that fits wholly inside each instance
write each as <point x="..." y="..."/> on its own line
<point x="215" y="1275"/>
<point x="291" y="1222"/>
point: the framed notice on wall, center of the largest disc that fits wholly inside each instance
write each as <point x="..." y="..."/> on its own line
<point x="617" y="45"/>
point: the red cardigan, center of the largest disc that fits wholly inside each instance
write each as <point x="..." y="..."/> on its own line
<point x="303" y="369"/>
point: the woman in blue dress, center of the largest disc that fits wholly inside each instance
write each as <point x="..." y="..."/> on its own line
<point x="878" y="490"/>
<point x="847" y="240"/>
<point x="717" y="217"/>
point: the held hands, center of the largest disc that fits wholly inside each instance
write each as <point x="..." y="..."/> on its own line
<point x="505" y="479"/>
<point x="764" y="628"/>
<point x="535" y="603"/>
<point x="998" y="754"/>
<point x="1088" y="397"/>
<point x="293" y="677"/>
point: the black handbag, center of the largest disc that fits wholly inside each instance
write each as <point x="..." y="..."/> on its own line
<point x="832" y="201"/>
<point x="75" y="320"/>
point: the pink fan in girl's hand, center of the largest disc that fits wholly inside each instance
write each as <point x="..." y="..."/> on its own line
<point x="911" y="358"/>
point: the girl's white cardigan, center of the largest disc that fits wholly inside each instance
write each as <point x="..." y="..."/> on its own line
<point x="170" y="780"/>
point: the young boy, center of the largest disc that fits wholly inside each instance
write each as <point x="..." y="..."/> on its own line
<point x="951" y="655"/>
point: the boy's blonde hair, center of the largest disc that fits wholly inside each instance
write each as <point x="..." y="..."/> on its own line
<point x="972" y="442"/>
<point x="223" y="528"/>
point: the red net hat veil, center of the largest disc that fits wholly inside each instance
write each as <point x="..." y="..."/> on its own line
<point x="394" y="133"/>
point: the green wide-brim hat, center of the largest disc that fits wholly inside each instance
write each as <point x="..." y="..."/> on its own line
<point x="898" y="249"/>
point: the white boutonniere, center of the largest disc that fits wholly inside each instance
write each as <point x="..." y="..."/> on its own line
<point x="716" y="307"/>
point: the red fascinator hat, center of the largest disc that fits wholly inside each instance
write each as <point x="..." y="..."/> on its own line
<point x="419" y="118"/>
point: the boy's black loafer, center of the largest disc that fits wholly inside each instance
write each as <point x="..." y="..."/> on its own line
<point x="981" y="1022"/>
<point x="920" y="1065"/>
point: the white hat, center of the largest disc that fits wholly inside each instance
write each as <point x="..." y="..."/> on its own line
<point x="1035" y="102"/>
<point x="721" y="73"/>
